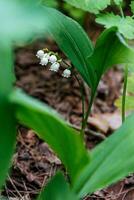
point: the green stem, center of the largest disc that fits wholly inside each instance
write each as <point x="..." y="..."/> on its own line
<point x="80" y="83"/>
<point x="83" y="104"/>
<point x="124" y="93"/>
<point x="84" y="116"/>
<point x="88" y="111"/>
<point x="121" y="11"/>
<point x="83" y="110"/>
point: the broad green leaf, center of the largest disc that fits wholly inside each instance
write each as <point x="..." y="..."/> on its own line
<point x="57" y="189"/>
<point x="125" y="25"/>
<point x="7" y="137"/>
<point x="111" y="161"/>
<point x="74" y="42"/>
<point x="93" y="6"/>
<point x="66" y="142"/>
<point x="132" y="6"/>
<point x="115" y="51"/>
<point x="7" y="118"/>
<point x="22" y="20"/>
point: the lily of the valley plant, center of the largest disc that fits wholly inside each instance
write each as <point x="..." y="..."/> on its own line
<point x="108" y="162"/>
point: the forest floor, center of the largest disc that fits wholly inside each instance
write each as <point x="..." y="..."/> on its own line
<point x="34" y="163"/>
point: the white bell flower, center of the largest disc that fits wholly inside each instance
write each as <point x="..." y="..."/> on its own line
<point x="40" y="54"/>
<point x="46" y="55"/>
<point x="66" y="73"/>
<point x="44" y="61"/>
<point x="55" y="67"/>
<point x="52" y="59"/>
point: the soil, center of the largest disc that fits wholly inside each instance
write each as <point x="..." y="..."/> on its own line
<point x="34" y="163"/>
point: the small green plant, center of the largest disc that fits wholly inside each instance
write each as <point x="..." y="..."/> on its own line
<point x="109" y="161"/>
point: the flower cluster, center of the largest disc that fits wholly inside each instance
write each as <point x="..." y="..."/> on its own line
<point x="52" y="59"/>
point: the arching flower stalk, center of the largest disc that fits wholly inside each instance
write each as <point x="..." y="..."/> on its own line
<point x="49" y="57"/>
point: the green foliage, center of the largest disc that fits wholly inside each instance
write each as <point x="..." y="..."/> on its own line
<point x="22" y="21"/>
<point x="57" y="189"/>
<point x="110" y="161"/>
<point x="93" y="6"/>
<point x="125" y="25"/>
<point x="66" y="142"/>
<point x="25" y="19"/>
<point x="115" y="51"/>
<point x="7" y="118"/>
<point x="7" y="137"/>
<point x="72" y="39"/>
<point x="91" y="63"/>
<point x="107" y="165"/>
<point x="132" y="6"/>
<point x="101" y="167"/>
